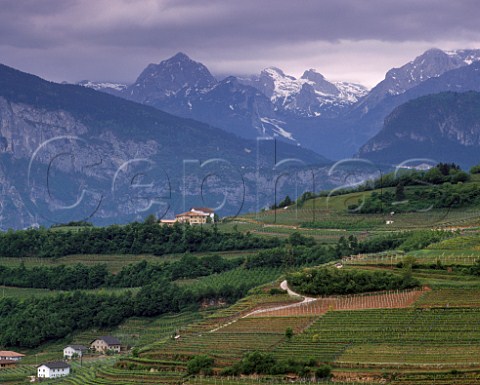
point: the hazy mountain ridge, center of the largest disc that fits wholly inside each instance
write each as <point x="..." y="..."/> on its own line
<point x="462" y="79"/>
<point x="443" y="126"/>
<point x="431" y="63"/>
<point x="69" y="152"/>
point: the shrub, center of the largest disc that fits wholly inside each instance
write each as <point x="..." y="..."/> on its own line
<point x="201" y="364"/>
<point x="323" y="371"/>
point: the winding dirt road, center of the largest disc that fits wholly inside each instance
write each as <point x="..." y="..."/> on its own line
<point x="283" y="286"/>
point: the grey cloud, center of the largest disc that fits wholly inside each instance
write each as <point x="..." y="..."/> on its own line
<point x="225" y="29"/>
<point x="150" y="23"/>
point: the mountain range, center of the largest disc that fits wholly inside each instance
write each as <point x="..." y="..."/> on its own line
<point x="252" y="106"/>
<point x="332" y="118"/>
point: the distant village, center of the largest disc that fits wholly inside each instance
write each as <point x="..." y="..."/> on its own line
<point x="54" y="369"/>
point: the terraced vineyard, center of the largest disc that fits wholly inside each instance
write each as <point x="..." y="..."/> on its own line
<point x="332" y="213"/>
<point x="396" y="338"/>
<point x="257" y="381"/>
<point x="238" y="277"/>
<point x="16" y="375"/>
<point x="426" y="335"/>
<point x="240" y="336"/>
<point x="451" y="297"/>
<point x="144" y="331"/>
<point x="387" y="300"/>
<point x="438" y="379"/>
<point x="447" y="258"/>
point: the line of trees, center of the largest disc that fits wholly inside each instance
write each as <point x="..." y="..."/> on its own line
<point x="36" y="320"/>
<point x="83" y="277"/>
<point x="134" y="238"/>
<point x="404" y="240"/>
<point x="266" y="363"/>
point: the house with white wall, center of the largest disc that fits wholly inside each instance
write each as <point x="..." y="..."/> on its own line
<point x="105" y="343"/>
<point x="53" y="369"/>
<point x="74" y="351"/>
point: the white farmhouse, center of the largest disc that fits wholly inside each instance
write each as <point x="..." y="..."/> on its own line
<point x="105" y="343"/>
<point x="74" y="350"/>
<point x="53" y="370"/>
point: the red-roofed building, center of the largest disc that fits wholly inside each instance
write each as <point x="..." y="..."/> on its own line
<point x="196" y="216"/>
<point x="7" y="355"/>
<point x="202" y="210"/>
<point x="9" y="359"/>
<point x="193" y="218"/>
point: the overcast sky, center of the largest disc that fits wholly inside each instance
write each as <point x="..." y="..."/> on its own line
<point x="353" y="40"/>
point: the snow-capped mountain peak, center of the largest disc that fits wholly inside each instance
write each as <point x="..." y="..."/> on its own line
<point x="351" y="92"/>
<point x="431" y="63"/>
<point x="467" y="56"/>
<point x="319" y="83"/>
<point x="276" y="73"/>
<point x="282" y="85"/>
<point x="309" y="95"/>
<point x="102" y="86"/>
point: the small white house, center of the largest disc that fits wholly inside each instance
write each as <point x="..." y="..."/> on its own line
<point x="74" y="350"/>
<point x="53" y="370"/>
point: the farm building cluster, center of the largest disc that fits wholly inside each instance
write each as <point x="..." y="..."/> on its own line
<point x="55" y="369"/>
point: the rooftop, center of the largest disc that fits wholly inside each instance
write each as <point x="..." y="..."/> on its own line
<point x="202" y="209"/>
<point x="77" y="347"/>
<point x="109" y="340"/>
<point x="55" y="365"/>
<point x="8" y="353"/>
<point x="191" y="214"/>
